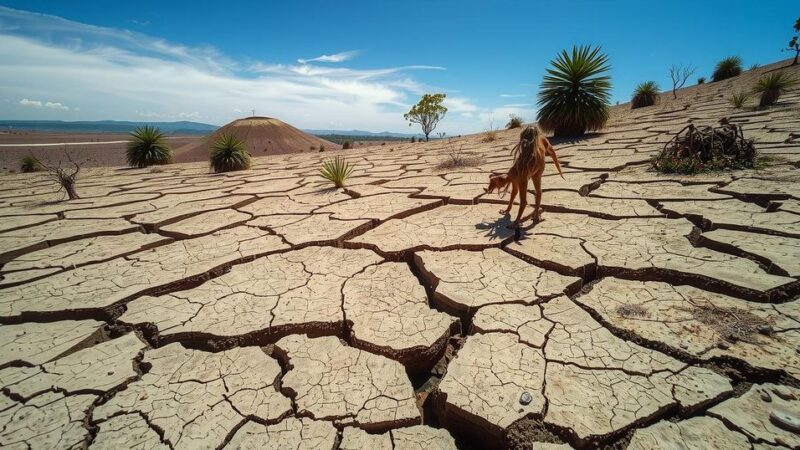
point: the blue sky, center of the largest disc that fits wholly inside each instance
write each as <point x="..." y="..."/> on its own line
<point x="347" y="64"/>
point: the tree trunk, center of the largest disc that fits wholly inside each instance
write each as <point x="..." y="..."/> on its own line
<point x="426" y="137"/>
<point x="795" y="57"/>
<point x="69" y="186"/>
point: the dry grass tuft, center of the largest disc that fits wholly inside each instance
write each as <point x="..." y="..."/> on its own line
<point x="732" y="324"/>
<point x="489" y="136"/>
<point x="628" y="310"/>
<point x="456" y="157"/>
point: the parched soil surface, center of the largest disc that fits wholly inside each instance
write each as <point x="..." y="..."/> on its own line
<point x="89" y="149"/>
<point x="178" y="309"/>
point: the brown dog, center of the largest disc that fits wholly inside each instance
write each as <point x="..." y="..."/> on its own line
<point x="528" y="163"/>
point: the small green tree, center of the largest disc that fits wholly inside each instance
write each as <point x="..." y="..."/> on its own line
<point x="347" y="145"/>
<point x="413" y="139"/>
<point x="427" y="113"/>
<point x="794" y="44"/>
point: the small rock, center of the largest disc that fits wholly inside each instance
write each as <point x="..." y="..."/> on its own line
<point x="111" y="372"/>
<point x="526" y="398"/>
<point x="723" y="345"/>
<point x="785" y="420"/>
<point x="783" y="393"/>
<point x="766" y="397"/>
<point x="684" y="345"/>
<point x="764" y="329"/>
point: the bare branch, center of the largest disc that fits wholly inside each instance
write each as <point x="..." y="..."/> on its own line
<point x="679" y="75"/>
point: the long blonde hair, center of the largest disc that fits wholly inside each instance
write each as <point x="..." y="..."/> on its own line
<point x="525" y="153"/>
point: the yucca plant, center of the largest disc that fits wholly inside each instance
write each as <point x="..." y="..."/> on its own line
<point x="739" y="99"/>
<point x="772" y="86"/>
<point x="727" y="68"/>
<point x="645" y="94"/>
<point x="228" y="154"/>
<point x="148" y="147"/>
<point x="30" y="164"/>
<point x="514" y="121"/>
<point x="336" y="170"/>
<point x="574" y="95"/>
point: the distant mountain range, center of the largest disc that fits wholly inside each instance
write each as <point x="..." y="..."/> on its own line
<point x="106" y="126"/>
<point x="362" y="133"/>
<point x="182" y="127"/>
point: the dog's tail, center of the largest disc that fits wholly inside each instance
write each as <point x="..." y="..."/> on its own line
<point x="552" y="152"/>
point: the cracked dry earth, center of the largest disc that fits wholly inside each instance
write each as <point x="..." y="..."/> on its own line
<point x="177" y="309"/>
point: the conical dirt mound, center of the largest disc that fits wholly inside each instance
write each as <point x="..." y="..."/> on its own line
<point x="261" y="135"/>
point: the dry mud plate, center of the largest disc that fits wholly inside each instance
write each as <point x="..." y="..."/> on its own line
<point x="178" y="309"/>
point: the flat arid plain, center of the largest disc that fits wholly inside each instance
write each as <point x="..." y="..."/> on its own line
<point x="176" y="308"/>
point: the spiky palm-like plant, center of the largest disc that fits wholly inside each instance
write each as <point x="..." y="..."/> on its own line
<point x="574" y="95"/>
<point x="336" y="170"/>
<point x="148" y="147"/>
<point x="645" y="94"/>
<point x="30" y="164"/>
<point x="739" y="99"/>
<point x="772" y="86"/>
<point x="228" y="154"/>
<point x="727" y="68"/>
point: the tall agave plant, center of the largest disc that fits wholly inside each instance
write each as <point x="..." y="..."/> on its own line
<point x="228" y="153"/>
<point x="645" y="94"/>
<point x="148" y="147"/>
<point x="574" y="95"/>
<point x="727" y="68"/>
<point x="771" y="87"/>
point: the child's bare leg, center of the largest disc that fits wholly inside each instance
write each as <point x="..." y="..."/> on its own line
<point x="523" y="200"/>
<point x="511" y="200"/>
<point x="537" y="184"/>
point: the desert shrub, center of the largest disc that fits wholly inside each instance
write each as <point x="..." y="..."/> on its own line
<point x="336" y="170"/>
<point x="574" y="95"/>
<point x="413" y="139"/>
<point x="754" y="66"/>
<point x="456" y="157"/>
<point x="489" y="136"/>
<point x="312" y="148"/>
<point x="228" y="154"/>
<point x="147" y="147"/>
<point x="701" y="80"/>
<point x="739" y="99"/>
<point x="727" y="68"/>
<point x="645" y="94"/>
<point x="703" y="148"/>
<point x="29" y="164"/>
<point x="321" y="147"/>
<point x="347" y="145"/>
<point x="771" y="87"/>
<point x="514" y="121"/>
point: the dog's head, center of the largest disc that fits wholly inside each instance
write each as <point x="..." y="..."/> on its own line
<point x="496" y="182"/>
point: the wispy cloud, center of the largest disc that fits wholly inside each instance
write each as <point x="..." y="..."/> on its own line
<point x="334" y="58"/>
<point x="41" y="104"/>
<point x="512" y="95"/>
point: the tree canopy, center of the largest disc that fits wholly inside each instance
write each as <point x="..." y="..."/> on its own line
<point x="427" y="113"/>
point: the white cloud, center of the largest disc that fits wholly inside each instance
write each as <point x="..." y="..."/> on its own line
<point x="512" y="95"/>
<point x="335" y="58"/>
<point x="40" y="104"/>
<point x="33" y="103"/>
<point x="459" y="105"/>
<point x="517" y="105"/>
